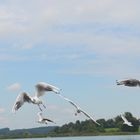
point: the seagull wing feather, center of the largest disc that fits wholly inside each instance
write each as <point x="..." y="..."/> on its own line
<point x="45" y="119"/>
<point x="124" y="119"/>
<point x="42" y="87"/>
<point x="89" y="117"/>
<point x="21" y="98"/>
<point x="71" y="102"/>
<point x="77" y="107"/>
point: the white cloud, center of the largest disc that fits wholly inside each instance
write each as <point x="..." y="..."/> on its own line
<point x="27" y="46"/>
<point x="23" y="46"/>
<point x="66" y="25"/>
<point x="97" y="11"/>
<point x="14" y="87"/>
<point x="12" y="57"/>
<point x="21" y="18"/>
<point x="12" y="21"/>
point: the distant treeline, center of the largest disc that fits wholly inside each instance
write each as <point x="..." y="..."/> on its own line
<point x="26" y="133"/>
<point x="88" y="127"/>
<point x="113" y="126"/>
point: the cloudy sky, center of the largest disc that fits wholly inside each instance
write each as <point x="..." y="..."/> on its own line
<point x="81" y="46"/>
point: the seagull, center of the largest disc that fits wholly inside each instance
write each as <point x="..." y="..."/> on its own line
<point x="129" y="82"/>
<point x="78" y="109"/>
<point x="43" y="120"/>
<point x="41" y="87"/>
<point x="126" y="121"/>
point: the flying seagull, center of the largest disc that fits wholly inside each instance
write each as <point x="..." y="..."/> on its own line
<point x="129" y="82"/>
<point x="41" y="88"/>
<point x="126" y="121"/>
<point x="43" y="120"/>
<point x="78" y="109"/>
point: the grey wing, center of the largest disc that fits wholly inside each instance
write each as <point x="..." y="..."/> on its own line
<point x="89" y="117"/>
<point x="42" y="87"/>
<point x="124" y="119"/>
<point x="21" y="98"/>
<point x="45" y="119"/>
<point x="77" y="107"/>
<point x="71" y="102"/>
<point x="135" y="82"/>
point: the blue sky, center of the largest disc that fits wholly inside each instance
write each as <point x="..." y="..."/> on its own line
<point x="81" y="46"/>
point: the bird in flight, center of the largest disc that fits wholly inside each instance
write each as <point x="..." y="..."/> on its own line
<point x="126" y="121"/>
<point x="43" y="120"/>
<point x="41" y="88"/>
<point x="79" y="110"/>
<point x="129" y="82"/>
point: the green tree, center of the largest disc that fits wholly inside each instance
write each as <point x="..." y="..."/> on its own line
<point x="110" y="123"/>
<point x="102" y="122"/>
<point x="118" y="121"/>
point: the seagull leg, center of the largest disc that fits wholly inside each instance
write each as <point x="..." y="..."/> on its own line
<point x="39" y="107"/>
<point x="75" y="114"/>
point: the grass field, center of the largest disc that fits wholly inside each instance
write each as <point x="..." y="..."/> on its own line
<point x="112" y="130"/>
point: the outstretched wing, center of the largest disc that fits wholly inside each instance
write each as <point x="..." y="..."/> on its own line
<point x="93" y="120"/>
<point x="124" y="119"/>
<point x="21" y="98"/>
<point x="45" y="119"/>
<point x="71" y="102"/>
<point x="42" y="87"/>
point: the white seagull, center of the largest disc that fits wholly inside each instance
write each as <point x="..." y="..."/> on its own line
<point x="41" y="88"/>
<point x="43" y="120"/>
<point x="126" y="121"/>
<point x="129" y="82"/>
<point x="78" y="109"/>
